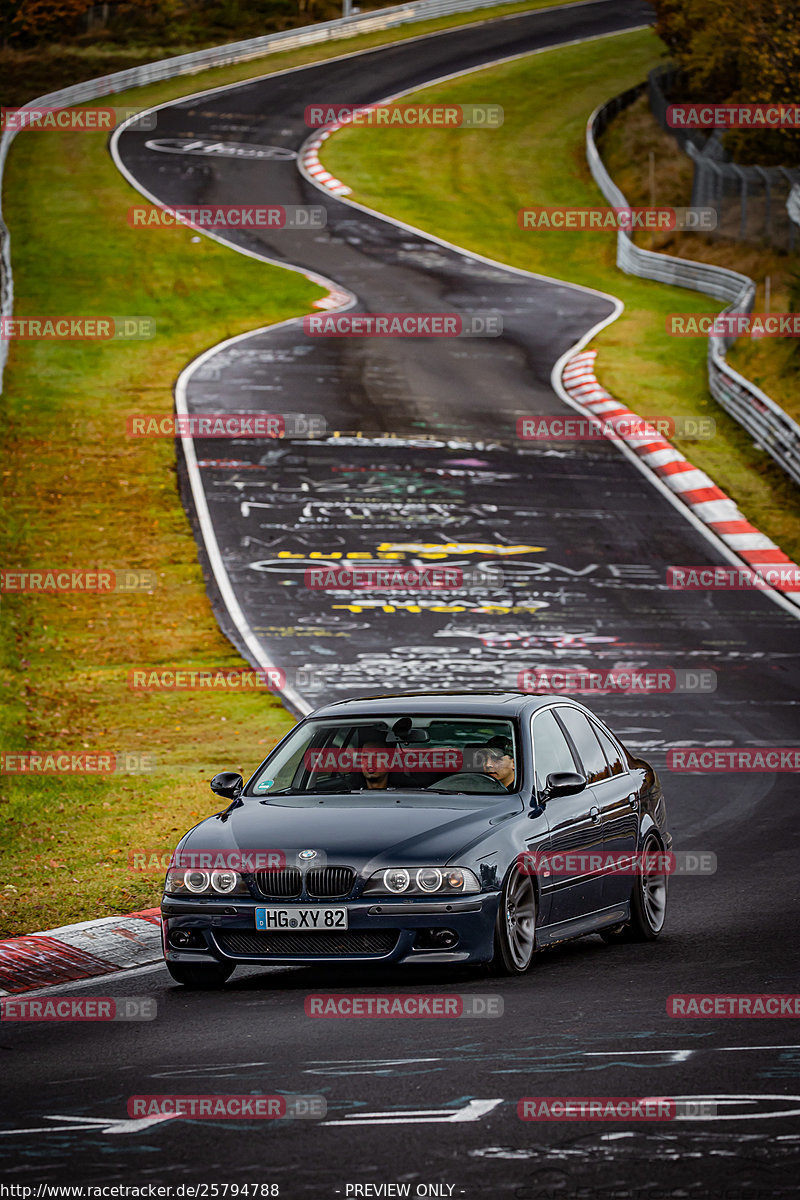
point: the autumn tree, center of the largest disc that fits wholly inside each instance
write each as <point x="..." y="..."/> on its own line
<point x="9" y="11"/>
<point x="43" y="20"/>
<point x="738" y="51"/>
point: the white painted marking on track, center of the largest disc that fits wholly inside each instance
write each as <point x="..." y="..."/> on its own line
<point x="472" y="1111"/>
<point x="675" y="1055"/>
<point x="360" y="1066"/>
<point x="106" y="1125"/>
<point x="729" y="1100"/>
<point x="371" y="1061"/>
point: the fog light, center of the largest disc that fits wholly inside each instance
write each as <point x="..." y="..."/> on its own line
<point x="435" y="939"/>
<point x="187" y="939"/>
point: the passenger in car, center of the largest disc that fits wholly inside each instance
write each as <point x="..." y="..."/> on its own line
<point x="499" y="761"/>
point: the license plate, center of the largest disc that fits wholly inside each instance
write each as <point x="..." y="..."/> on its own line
<point x="309" y="920"/>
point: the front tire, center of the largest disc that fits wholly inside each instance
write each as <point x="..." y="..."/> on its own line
<point x="200" y="976"/>
<point x="515" y="928"/>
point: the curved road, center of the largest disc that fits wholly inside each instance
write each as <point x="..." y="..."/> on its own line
<point x="435" y="1102"/>
<point x="315" y="497"/>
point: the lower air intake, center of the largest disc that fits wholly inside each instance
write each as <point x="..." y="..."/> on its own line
<point x="323" y="945"/>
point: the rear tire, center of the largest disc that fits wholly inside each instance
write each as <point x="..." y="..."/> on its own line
<point x="200" y="976"/>
<point x="515" y="928"/>
<point x="648" y="900"/>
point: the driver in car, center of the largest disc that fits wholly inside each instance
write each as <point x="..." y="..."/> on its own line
<point x="376" y="774"/>
<point x="499" y="761"/>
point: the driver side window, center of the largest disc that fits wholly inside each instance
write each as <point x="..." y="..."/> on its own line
<point x="551" y="750"/>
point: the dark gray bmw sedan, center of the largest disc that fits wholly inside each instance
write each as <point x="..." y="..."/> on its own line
<point x="433" y="827"/>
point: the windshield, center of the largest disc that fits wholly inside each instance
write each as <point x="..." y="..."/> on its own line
<point x="435" y="754"/>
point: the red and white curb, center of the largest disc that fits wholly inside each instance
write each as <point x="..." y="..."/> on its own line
<point x="309" y="159"/>
<point x="314" y="167"/>
<point x="80" y="951"/>
<point x="335" y="298"/>
<point x="692" y="486"/>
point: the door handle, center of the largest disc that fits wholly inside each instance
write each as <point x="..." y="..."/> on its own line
<point x="633" y="800"/>
<point x="594" y="813"/>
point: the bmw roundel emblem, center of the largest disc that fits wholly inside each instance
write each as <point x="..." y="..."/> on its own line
<point x="306" y="854"/>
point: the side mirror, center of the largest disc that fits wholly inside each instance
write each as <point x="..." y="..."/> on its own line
<point x="227" y="784"/>
<point x="564" y="783"/>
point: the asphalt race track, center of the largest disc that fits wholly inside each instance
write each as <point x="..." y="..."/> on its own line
<point x="565" y="550"/>
<point x="312" y="497"/>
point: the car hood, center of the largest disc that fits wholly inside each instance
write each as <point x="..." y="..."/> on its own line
<point x="354" y="831"/>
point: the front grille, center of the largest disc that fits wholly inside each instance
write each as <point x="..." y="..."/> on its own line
<point x="323" y="883"/>
<point x="280" y="885"/>
<point x="353" y="941"/>
<point x="326" y="882"/>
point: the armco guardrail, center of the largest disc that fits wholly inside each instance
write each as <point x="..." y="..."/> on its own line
<point x="200" y="60"/>
<point x="770" y="427"/>
<point x="793" y="204"/>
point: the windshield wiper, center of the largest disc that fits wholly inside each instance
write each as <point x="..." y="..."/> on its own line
<point x="450" y="792"/>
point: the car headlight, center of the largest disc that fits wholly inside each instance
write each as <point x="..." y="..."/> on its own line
<point x="422" y="881"/>
<point x="192" y="882"/>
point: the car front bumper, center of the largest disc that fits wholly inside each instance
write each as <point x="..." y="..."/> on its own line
<point x="383" y="930"/>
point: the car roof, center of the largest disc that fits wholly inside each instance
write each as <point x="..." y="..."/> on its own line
<point x="479" y="703"/>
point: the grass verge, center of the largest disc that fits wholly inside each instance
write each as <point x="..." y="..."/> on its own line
<point x="79" y="494"/>
<point x="467" y="186"/>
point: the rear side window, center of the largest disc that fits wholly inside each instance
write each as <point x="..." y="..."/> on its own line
<point x="585" y="741"/>
<point x="551" y="750"/>
<point x="612" y="753"/>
